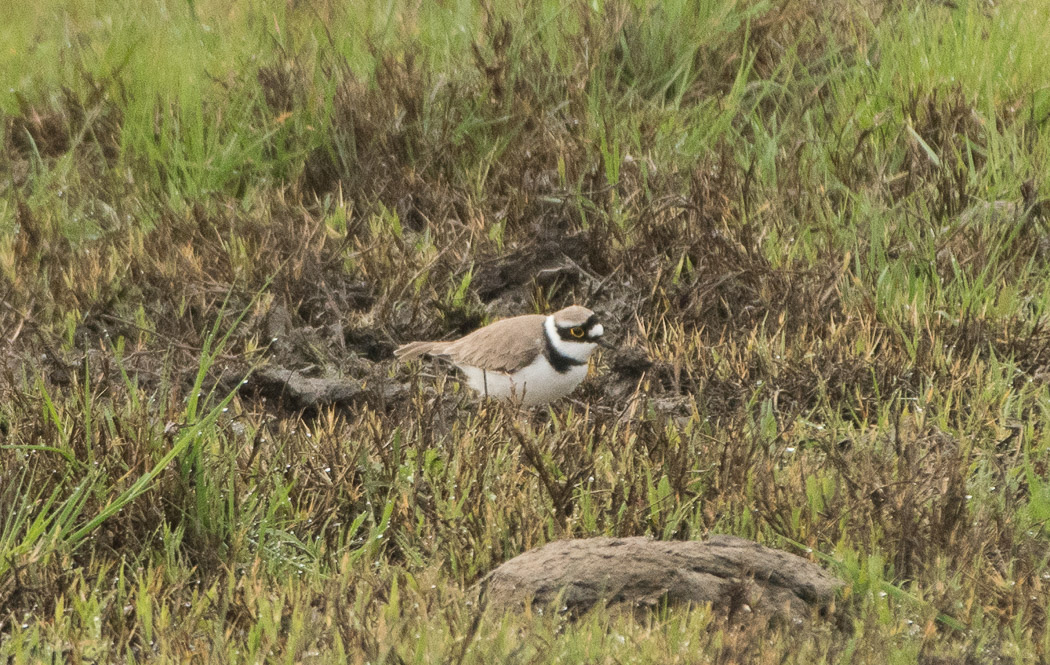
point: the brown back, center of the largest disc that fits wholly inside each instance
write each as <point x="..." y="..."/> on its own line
<point x="503" y="346"/>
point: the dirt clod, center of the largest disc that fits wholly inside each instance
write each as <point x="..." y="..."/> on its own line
<point x="630" y="362"/>
<point x="543" y="262"/>
<point x="736" y="575"/>
<point x="295" y="390"/>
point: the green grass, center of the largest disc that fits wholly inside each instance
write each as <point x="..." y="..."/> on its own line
<point x="779" y="203"/>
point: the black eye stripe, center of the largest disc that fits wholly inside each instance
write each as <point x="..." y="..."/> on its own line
<point x="565" y="332"/>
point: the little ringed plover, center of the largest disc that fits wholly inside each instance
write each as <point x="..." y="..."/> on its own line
<point x="531" y="359"/>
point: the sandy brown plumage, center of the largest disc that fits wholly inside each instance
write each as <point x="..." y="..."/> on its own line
<point x="503" y="346"/>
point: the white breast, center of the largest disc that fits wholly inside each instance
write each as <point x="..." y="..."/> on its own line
<point x="537" y="383"/>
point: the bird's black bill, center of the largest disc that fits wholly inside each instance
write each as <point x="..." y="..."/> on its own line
<point x="604" y="343"/>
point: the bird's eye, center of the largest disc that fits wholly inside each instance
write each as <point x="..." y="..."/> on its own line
<point x="577" y="332"/>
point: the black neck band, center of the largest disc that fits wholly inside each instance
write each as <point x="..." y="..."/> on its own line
<point x="558" y="360"/>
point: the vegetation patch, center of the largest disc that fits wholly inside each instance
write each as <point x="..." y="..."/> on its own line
<point x="816" y="231"/>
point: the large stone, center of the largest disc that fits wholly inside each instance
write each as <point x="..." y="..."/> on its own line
<point x="735" y="575"/>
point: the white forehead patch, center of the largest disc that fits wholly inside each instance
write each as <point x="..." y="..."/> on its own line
<point x="597" y="330"/>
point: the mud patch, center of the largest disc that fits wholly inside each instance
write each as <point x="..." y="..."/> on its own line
<point x="294" y="390"/>
<point x="547" y="263"/>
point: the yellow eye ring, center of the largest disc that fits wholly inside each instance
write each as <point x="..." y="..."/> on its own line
<point x="576" y="332"/>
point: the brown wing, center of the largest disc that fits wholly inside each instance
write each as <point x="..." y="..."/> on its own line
<point x="504" y="346"/>
<point x="417" y="349"/>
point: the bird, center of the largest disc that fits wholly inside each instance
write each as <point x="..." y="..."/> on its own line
<point x="531" y="359"/>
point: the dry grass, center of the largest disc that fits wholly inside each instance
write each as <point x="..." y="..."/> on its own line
<point x="830" y="337"/>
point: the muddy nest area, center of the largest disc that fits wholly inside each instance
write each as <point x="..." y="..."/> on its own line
<point x="316" y="360"/>
<point x="740" y="578"/>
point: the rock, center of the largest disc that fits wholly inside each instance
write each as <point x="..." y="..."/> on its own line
<point x="737" y="576"/>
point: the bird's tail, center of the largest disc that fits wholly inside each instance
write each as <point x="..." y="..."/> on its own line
<point x="417" y="349"/>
